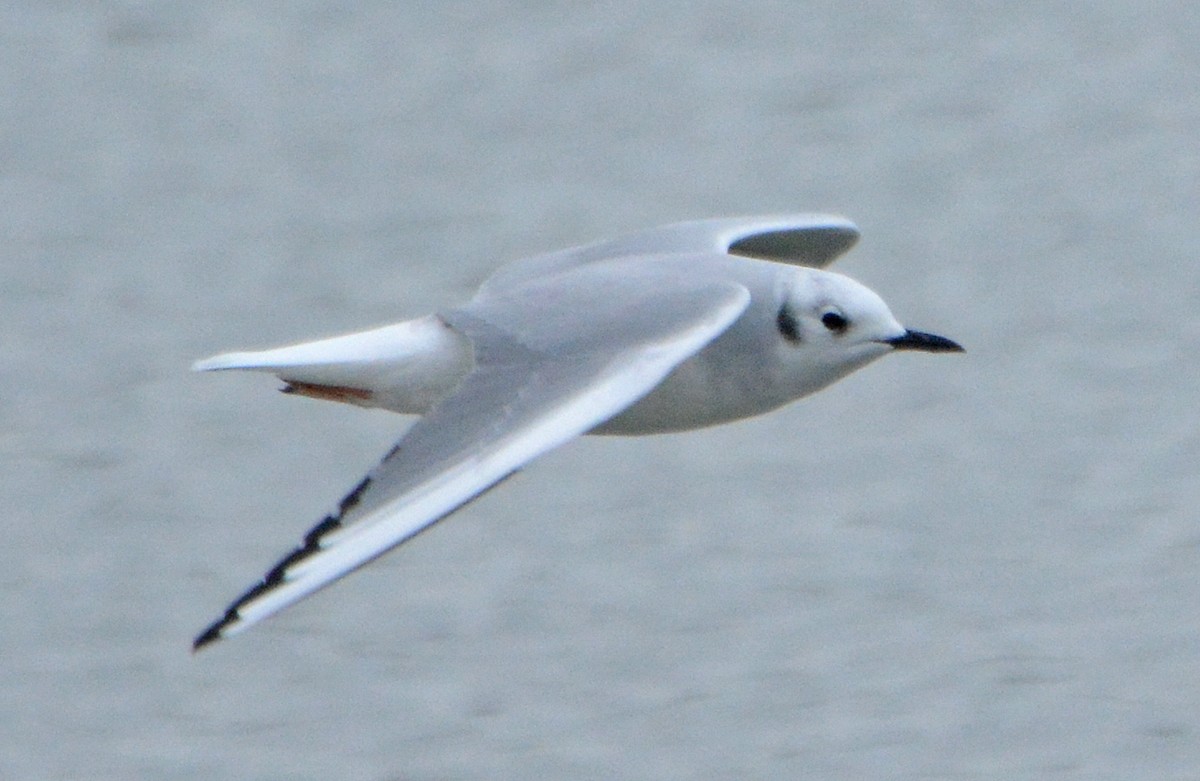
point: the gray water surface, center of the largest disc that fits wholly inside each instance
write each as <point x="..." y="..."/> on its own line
<point x="946" y="567"/>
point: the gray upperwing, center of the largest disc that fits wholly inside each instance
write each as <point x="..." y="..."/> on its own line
<point x="814" y="240"/>
<point x="542" y="376"/>
<point x="531" y="356"/>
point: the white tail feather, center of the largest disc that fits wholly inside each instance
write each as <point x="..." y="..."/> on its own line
<point x="403" y="367"/>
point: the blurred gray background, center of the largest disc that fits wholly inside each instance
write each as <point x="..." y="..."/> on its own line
<point x="944" y="568"/>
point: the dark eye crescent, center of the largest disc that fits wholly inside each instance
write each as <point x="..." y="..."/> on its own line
<point x="834" y="322"/>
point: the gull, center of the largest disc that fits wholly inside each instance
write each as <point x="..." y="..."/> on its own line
<point x="674" y="328"/>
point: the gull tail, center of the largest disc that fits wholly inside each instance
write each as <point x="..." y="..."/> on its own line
<point x="404" y="367"/>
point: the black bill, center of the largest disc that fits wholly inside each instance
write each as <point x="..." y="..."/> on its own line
<point x="930" y="343"/>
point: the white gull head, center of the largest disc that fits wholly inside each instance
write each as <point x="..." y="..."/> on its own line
<point x="804" y="329"/>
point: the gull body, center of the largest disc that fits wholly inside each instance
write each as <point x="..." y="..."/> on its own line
<point x="675" y="328"/>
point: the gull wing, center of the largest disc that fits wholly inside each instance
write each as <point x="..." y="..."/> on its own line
<point x="814" y="240"/>
<point x="597" y="341"/>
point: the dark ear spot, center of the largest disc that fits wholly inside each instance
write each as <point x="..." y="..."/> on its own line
<point x="787" y="324"/>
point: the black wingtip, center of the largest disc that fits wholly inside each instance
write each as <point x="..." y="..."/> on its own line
<point x="278" y="573"/>
<point x="214" y="632"/>
<point x="210" y="635"/>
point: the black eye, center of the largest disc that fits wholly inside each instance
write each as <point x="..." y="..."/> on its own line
<point x="834" y="322"/>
